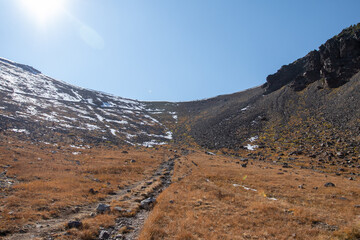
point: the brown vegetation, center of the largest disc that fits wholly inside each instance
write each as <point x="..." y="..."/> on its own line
<point x="243" y="195"/>
<point x="55" y="181"/>
<point x="217" y="200"/>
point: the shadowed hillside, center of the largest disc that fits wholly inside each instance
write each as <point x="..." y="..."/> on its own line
<point x="312" y="102"/>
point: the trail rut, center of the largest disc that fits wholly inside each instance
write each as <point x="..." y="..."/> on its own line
<point x="47" y="229"/>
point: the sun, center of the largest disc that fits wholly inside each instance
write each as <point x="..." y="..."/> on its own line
<point x="43" y="10"/>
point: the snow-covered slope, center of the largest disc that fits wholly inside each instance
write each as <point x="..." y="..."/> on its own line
<point x="43" y="108"/>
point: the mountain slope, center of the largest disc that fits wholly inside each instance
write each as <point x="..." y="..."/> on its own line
<point x="310" y="104"/>
<point x="317" y="95"/>
<point x="49" y="110"/>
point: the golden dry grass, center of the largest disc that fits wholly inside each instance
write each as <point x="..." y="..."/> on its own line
<point x="51" y="181"/>
<point x="212" y="197"/>
<point x="204" y="203"/>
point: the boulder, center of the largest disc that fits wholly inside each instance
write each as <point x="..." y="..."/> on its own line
<point x="329" y="184"/>
<point x="148" y="203"/>
<point x="104" y="235"/>
<point x="102" y="208"/>
<point x="74" y="224"/>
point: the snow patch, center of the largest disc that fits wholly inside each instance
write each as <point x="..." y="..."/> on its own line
<point x="169" y="135"/>
<point x="152" y="143"/>
<point x="251" y="147"/>
<point x="31" y="110"/>
<point x="101" y="119"/>
<point x="253" y="139"/>
<point x="128" y="135"/>
<point x="90" y="101"/>
<point x="91" y="127"/>
<point x="20" y="131"/>
<point x="50" y="118"/>
<point x="78" y="147"/>
<point x="66" y="125"/>
<point x="245" y="108"/>
<point x="113" y="132"/>
<point x="117" y="121"/>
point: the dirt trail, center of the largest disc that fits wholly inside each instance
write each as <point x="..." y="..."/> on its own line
<point x="47" y="228"/>
<point x="136" y="222"/>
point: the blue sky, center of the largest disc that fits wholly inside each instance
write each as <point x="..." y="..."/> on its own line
<point x="169" y="50"/>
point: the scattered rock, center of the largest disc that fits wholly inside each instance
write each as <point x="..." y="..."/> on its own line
<point x="298" y="152"/>
<point x="102" y="208"/>
<point x="119" y="209"/>
<point x="74" y="224"/>
<point x="104" y="235"/>
<point x="286" y="165"/>
<point x="76" y="210"/>
<point x="210" y="153"/>
<point x="323" y="225"/>
<point x="148" y="203"/>
<point x="92" y="191"/>
<point x="4" y="232"/>
<point x="329" y="184"/>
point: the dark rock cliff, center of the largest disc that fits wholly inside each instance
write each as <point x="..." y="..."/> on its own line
<point x="305" y="105"/>
<point x="336" y="61"/>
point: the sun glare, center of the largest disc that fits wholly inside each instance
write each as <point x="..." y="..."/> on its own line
<point x="43" y="10"/>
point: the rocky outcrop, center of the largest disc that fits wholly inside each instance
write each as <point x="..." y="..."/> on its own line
<point x="336" y="62"/>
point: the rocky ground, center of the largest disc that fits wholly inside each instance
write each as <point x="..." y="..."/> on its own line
<point x="143" y="192"/>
